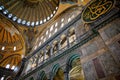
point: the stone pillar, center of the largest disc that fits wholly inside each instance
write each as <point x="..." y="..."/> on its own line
<point x="66" y="74"/>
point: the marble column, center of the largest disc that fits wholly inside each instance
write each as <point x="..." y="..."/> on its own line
<point x="66" y="75"/>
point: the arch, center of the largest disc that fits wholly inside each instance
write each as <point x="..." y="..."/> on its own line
<point x="42" y="76"/>
<point x="57" y="72"/>
<point x="71" y="58"/>
<point x="55" y="46"/>
<point x="72" y="36"/>
<point x="55" y="69"/>
<point x="74" y="69"/>
<point x="63" y="42"/>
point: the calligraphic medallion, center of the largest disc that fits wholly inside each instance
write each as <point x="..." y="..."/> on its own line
<point x="95" y="9"/>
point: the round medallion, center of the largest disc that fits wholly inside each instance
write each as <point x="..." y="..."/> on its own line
<point x="95" y="9"/>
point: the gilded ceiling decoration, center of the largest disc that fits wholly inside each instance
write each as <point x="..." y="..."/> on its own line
<point x="95" y="9"/>
<point x="12" y="45"/>
<point x="29" y="12"/>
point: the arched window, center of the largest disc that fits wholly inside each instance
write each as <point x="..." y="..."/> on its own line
<point x="41" y="56"/>
<point x="47" y="52"/>
<point x="63" y="42"/>
<point x="72" y="36"/>
<point x="55" y="47"/>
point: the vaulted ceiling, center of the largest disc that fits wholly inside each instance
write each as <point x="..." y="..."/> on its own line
<point x="17" y="39"/>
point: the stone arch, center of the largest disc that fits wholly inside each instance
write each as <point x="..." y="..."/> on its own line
<point x="74" y="68"/>
<point x="41" y="76"/>
<point x="71" y="58"/>
<point x="57" y="72"/>
<point x="55" y="69"/>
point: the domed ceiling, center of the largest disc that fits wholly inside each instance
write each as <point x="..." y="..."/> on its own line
<point x="29" y="12"/>
<point x="12" y="45"/>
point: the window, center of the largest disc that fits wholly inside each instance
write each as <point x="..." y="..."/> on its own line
<point x="39" y="43"/>
<point x="51" y="28"/>
<point x="13" y="67"/>
<point x="55" y="30"/>
<point x="41" y="22"/>
<point x="1" y="7"/>
<point x="56" y="24"/>
<point x="19" y="20"/>
<point x="28" y="23"/>
<point x="7" y="66"/>
<point x="37" y="22"/>
<point x="3" y="48"/>
<point x="10" y="15"/>
<point x="48" y="18"/>
<point x="63" y="43"/>
<point x="51" y="15"/>
<point x="62" y="25"/>
<point x="72" y="36"/>
<point x="46" y="32"/>
<point x="62" y="19"/>
<point x="44" y="39"/>
<point x="35" y="47"/>
<point x="49" y="35"/>
<point x="69" y="19"/>
<point x="44" y="20"/>
<point x="23" y="22"/>
<point x="73" y="16"/>
<point x="54" y="12"/>
<point x="56" y="8"/>
<point x="14" y="48"/>
<point x="2" y="78"/>
<point x="33" y="23"/>
<point x="41" y="37"/>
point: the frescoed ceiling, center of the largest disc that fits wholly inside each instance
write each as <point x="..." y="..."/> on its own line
<point x="29" y="12"/>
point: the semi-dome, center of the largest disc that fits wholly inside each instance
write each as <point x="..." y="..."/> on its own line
<point x="12" y="46"/>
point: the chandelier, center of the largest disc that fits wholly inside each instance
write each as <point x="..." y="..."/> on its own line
<point x="29" y="12"/>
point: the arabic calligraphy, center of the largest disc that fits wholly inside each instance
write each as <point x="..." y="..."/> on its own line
<point x="95" y="9"/>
